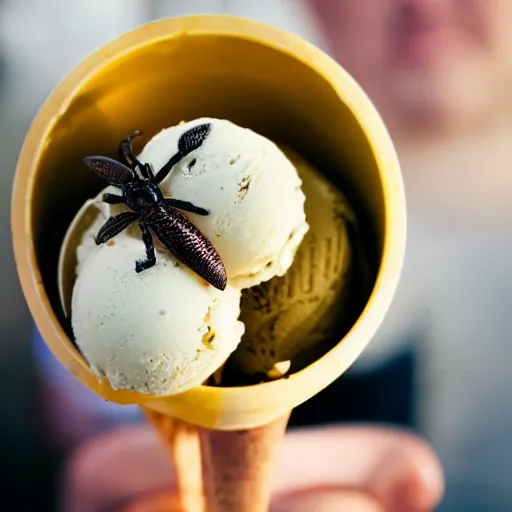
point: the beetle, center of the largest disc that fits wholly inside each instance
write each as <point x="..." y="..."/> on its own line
<point x="141" y="193"/>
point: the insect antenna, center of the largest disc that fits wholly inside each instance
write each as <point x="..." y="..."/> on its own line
<point x="126" y="150"/>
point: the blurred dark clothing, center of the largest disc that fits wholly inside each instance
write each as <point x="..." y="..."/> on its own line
<point x="385" y="395"/>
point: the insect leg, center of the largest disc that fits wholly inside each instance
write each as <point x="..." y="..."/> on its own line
<point x="113" y="199"/>
<point x="126" y="151"/>
<point x="190" y="140"/>
<point x="147" y="172"/>
<point x="166" y="169"/>
<point x="193" y="138"/>
<point x="115" y="225"/>
<point x="150" y="260"/>
<point x="186" y="206"/>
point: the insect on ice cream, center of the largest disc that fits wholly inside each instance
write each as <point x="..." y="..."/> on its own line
<point x="141" y="193"/>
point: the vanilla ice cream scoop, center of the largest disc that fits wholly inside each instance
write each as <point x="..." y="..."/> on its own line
<point x="160" y="331"/>
<point x="165" y="330"/>
<point x="252" y="190"/>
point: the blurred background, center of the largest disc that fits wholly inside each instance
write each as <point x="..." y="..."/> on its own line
<point x="439" y="71"/>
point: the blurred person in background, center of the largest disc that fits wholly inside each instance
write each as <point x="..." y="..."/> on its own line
<point x="438" y="71"/>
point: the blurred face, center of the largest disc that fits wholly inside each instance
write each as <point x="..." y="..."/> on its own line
<point x="435" y="65"/>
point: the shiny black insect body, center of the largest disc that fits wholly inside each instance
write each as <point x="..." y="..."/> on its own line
<point x="154" y="212"/>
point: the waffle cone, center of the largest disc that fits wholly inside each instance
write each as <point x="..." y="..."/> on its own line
<point x="183" y="442"/>
<point x="217" y="471"/>
<point x="238" y="466"/>
<point x="216" y="66"/>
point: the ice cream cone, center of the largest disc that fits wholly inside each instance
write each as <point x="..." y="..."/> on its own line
<point x="183" y="442"/>
<point x="180" y="69"/>
<point x="217" y="471"/>
<point x="238" y="466"/>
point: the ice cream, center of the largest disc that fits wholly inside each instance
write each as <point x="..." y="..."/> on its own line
<point x="291" y="319"/>
<point x="157" y="332"/>
<point x="87" y="244"/>
<point x="165" y="330"/>
<point x="252" y="190"/>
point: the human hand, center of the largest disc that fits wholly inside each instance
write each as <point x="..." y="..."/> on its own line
<point x="358" y="469"/>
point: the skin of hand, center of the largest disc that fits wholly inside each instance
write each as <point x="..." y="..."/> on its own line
<point x="361" y="469"/>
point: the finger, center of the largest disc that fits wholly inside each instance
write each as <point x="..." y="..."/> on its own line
<point x="317" y="501"/>
<point x="396" y="467"/>
<point x="327" y="501"/>
<point x="115" y="468"/>
<point x="156" y="502"/>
